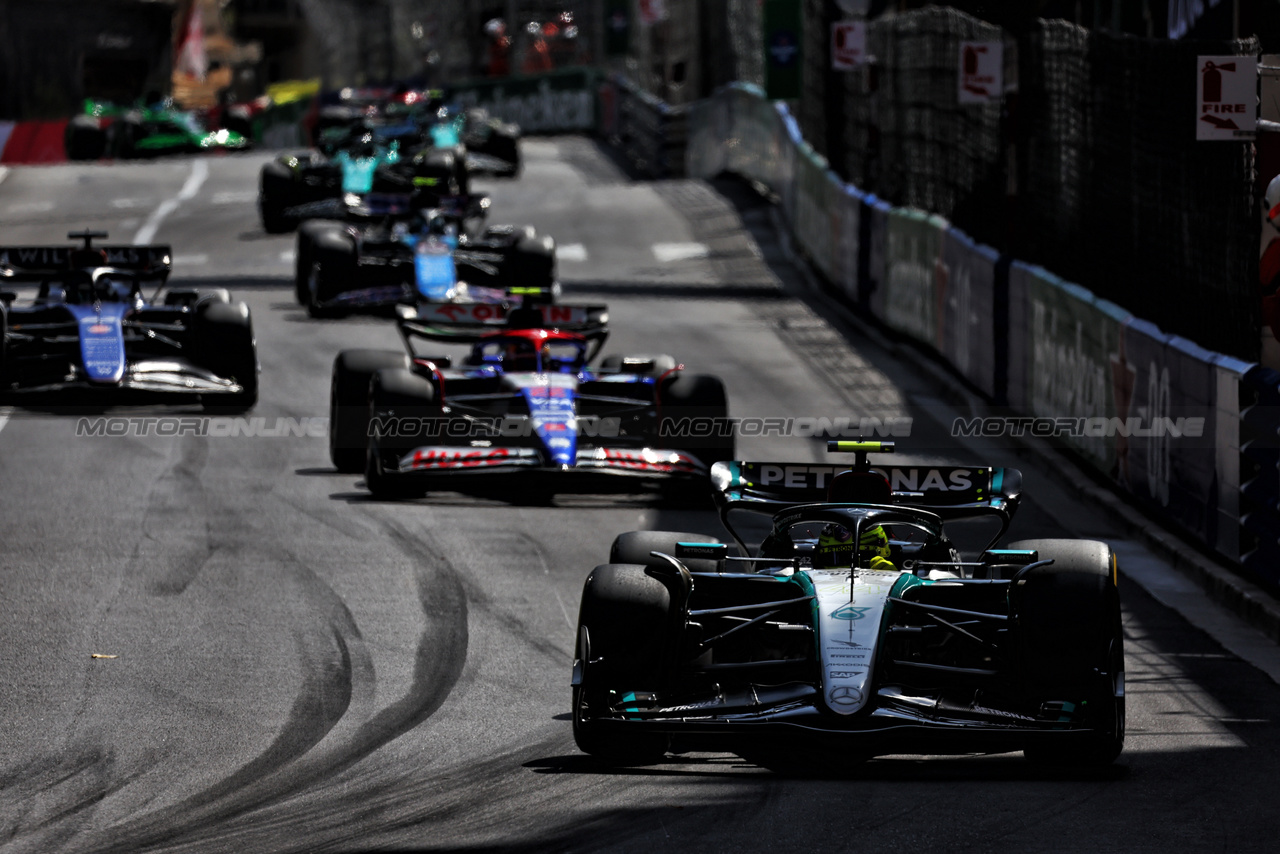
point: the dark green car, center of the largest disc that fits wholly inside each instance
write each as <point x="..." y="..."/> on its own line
<point x="106" y="130"/>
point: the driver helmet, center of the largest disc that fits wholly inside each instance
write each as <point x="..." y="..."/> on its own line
<point x="1272" y="202"/>
<point x="84" y="259"/>
<point x="114" y="288"/>
<point x="835" y="546"/>
<point x="520" y="356"/>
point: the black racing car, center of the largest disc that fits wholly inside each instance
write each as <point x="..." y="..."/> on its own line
<point x="91" y="331"/>
<point x="388" y="252"/>
<point x="326" y="183"/>
<point x="854" y="629"/>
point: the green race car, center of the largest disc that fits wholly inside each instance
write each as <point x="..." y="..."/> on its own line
<point x="107" y="130"/>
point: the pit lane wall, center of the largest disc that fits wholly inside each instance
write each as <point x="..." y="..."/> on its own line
<point x="1190" y="434"/>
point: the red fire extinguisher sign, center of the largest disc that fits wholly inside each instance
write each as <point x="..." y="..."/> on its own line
<point x="1227" y="97"/>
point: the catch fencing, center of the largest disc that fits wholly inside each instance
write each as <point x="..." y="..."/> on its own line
<point x="1086" y="164"/>
<point x="1190" y="434"/>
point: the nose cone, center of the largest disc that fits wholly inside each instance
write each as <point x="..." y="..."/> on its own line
<point x="555" y="422"/>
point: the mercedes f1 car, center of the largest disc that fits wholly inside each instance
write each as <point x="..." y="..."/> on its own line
<point x="90" y="329"/>
<point x="854" y="629"/>
<point x="523" y="416"/>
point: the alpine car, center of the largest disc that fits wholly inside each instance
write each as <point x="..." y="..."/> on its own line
<point x="388" y="253"/>
<point x="854" y="629"/>
<point x="523" y="416"/>
<point x="90" y="330"/>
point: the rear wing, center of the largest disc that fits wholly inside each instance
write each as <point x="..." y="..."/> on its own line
<point x="35" y="263"/>
<point x="946" y="490"/>
<point x="467" y="322"/>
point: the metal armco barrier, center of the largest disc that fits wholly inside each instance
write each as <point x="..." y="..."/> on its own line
<point x="966" y="297"/>
<point x="1260" y="474"/>
<point x="651" y="135"/>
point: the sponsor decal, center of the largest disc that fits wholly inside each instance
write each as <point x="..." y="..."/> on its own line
<point x="844" y="696"/>
<point x="447" y="458"/>
<point x="641" y="460"/>
<point x="999" y="713"/>
<point x="849" y="612"/>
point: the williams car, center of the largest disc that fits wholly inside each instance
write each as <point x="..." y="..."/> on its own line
<point x="91" y="329"/>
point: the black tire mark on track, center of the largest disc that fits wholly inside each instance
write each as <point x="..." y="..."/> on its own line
<point x="272" y="777"/>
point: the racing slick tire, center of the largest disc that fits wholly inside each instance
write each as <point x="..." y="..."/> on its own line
<point x="636" y="547"/>
<point x="531" y="263"/>
<point x="511" y="234"/>
<point x="4" y="335"/>
<point x="302" y="255"/>
<point x="223" y="342"/>
<point x="349" y="404"/>
<point x="696" y="399"/>
<point x="623" y="628"/>
<point x="662" y="363"/>
<point x="396" y="393"/>
<point x="85" y="139"/>
<point x="124" y="136"/>
<point x="194" y="297"/>
<point x="1071" y="646"/>
<point x="333" y="270"/>
<point x="504" y="144"/>
<point x="275" y="195"/>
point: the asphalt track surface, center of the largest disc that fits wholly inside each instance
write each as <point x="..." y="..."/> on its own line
<point x="294" y="667"/>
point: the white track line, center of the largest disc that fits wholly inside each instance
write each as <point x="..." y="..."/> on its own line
<point x="235" y="197"/>
<point x="4" y="416"/>
<point x="571" y="252"/>
<point x="29" y="207"/>
<point x="668" y="252"/>
<point x="4" y="172"/>
<point x="199" y="172"/>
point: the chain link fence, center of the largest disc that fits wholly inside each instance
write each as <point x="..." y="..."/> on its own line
<point x="1089" y="166"/>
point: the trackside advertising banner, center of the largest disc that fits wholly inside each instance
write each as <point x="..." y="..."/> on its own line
<point x="908" y="299"/>
<point x="877" y="213"/>
<point x="965" y="297"/>
<point x="540" y="103"/>
<point x="1062" y="346"/>
<point x="812" y="210"/>
<point x="1228" y="374"/>
<point x="1166" y="385"/>
<point x="846" y="227"/>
